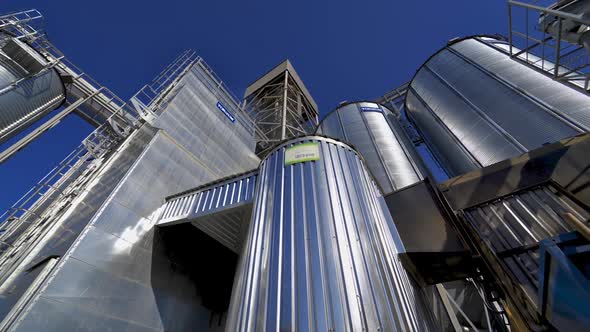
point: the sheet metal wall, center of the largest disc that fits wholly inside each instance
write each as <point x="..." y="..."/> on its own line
<point x="223" y="147"/>
<point x="475" y="106"/>
<point x="375" y="132"/>
<point x="59" y="231"/>
<point x="118" y="275"/>
<point x="524" y="219"/>
<point x="29" y="99"/>
<point x="320" y="255"/>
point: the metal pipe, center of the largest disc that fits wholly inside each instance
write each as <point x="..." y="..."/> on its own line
<point x="284" y="119"/>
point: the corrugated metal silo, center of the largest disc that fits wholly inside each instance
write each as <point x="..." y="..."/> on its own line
<point x="319" y="254"/>
<point x="28" y="90"/>
<point x="375" y="131"/>
<point x="475" y="106"/>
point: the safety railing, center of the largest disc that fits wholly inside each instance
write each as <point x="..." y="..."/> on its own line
<point x="93" y="147"/>
<point x="23" y="24"/>
<point x="27" y="26"/>
<point x="553" y="37"/>
<point x="153" y="97"/>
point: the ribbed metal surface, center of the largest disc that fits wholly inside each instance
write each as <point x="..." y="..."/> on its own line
<point x="521" y="220"/>
<point x="375" y="132"/>
<point x="8" y="73"/>
<point x="210" y="198"/>
<point x="216" y="209"/>
<point x="25" y="96"/>
<point x="475" y="106"/>
<point x="319" y="254"/>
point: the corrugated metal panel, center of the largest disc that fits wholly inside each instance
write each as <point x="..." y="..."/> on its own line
<point x="492" y="106"/>
<point x="25" y="96"/>
<point x="216" y="209"/>
<point x="567" y="102"/>
<point x="228" y="227"/>
<point x="319" y="255"/>
<point x="520" y="220"/>
<point x="210" y="198"/>
<point x="500" y="100"/>
<point x="389" y="153"/>
<point x="29" y="99"/>
<point x="453" y="156"/>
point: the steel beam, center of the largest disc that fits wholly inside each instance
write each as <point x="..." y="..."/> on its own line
<point x="284" y="119"/>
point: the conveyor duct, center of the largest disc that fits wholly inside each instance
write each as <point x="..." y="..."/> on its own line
<point x="221" y="209"/>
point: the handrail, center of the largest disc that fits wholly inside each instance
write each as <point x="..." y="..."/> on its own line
<point x="557" y="13"/>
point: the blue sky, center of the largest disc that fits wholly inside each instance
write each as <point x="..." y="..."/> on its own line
<point x="343" y="50"/>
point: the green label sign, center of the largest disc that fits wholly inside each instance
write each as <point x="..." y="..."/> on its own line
<point x="301" y="153"/>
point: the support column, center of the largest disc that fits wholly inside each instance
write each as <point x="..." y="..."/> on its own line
<point x="284" y="118"/>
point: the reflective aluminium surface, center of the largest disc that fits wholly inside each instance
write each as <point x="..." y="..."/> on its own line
<point x="194" y="119"/>
<point x="375" y="132"/>
<point x="475" y="106"/>
<point x="26" y="94"/>
<point x="320" y="254"/>
<point x="47" y="234"/>
<point x="120" y="273"/>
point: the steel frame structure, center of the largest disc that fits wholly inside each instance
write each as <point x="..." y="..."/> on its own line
<point x="84" y="95"/>
<point x="280" y="109"/>
<point x="543" y="40"/>
<point x="394" y="99"/>
<point x="21" y="224"/>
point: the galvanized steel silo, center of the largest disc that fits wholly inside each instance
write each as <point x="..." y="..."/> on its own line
<point x="28" y="88"/>
<point x="319" y="255"/>
<point x="377" y="135"/>
<point x="475" y="106"/>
